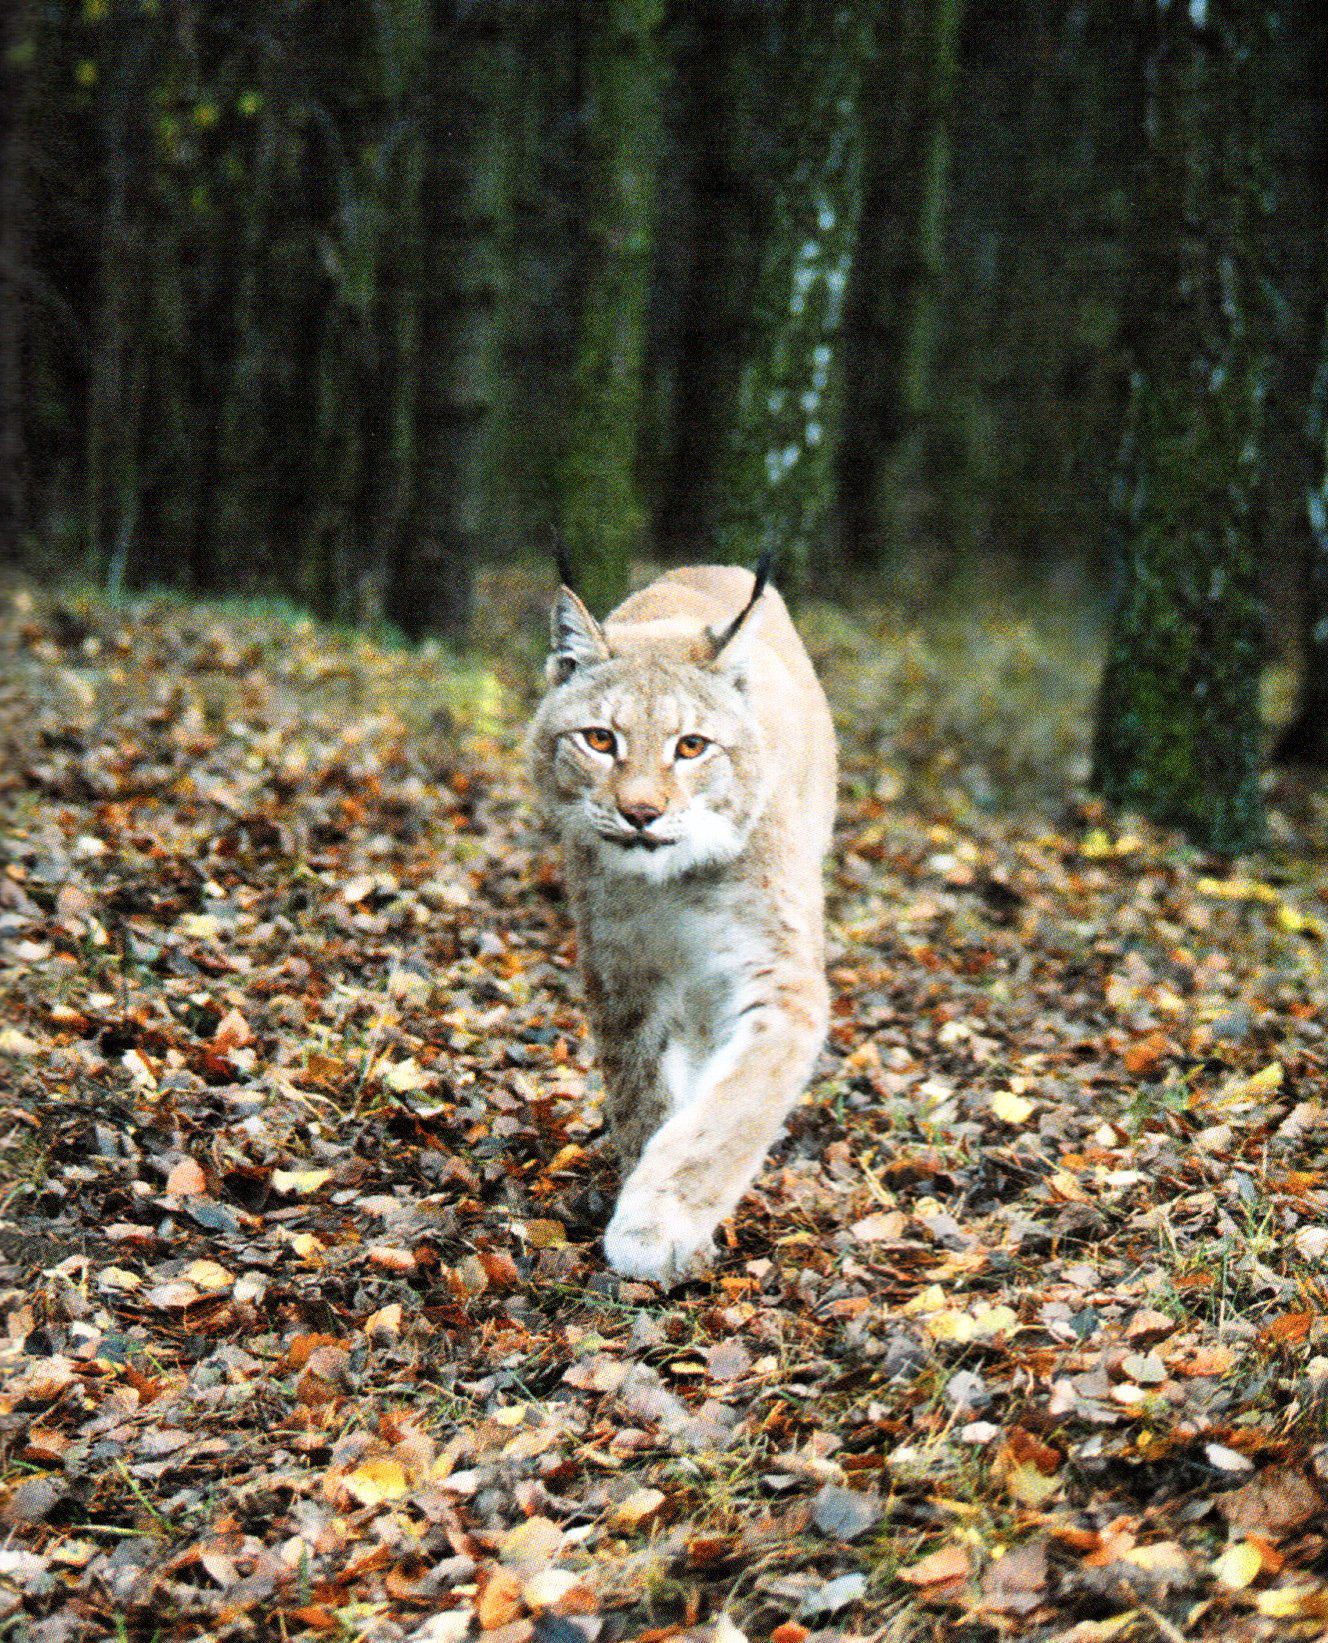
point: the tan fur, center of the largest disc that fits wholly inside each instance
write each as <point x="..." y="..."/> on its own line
<point x="703" y="958"/>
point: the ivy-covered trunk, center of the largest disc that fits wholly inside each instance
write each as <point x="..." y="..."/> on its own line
<point x="1178" y="722"/>
<point x="1306" y="737"/>
<point x="776" y="476"/>
<point x="620" y="68"/>
<point x="892" y="318"/>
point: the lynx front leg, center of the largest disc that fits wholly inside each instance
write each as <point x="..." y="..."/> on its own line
<point x="703" y="1158"/>
<point x="635" y="1096"/>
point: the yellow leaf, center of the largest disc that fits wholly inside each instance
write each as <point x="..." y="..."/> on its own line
<point x="950" y="1326"/>
<point x="1011" y="1108"/>
<point x="209" y="1275"/>
<point x="1029" y="1485"/>
<point x="201" y="926"/>
<point x="1269" y="1078"/>
<point x="1096" y="844"/>
<point x="406" y="1076"/>
<point x="118" y="1277"/>
<point x="299" y="1180"/>
<point x="931" y="1299"/>
<point x="994" y="1320"/>
<point x="1291" y="918"/>
<point x="377" y="1481"/>
<point x="1237" y="890"/>
<point x="1237" y="1566"/>
<point x="1289" y="1602"/>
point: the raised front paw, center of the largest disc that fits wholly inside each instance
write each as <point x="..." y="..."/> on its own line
<point x="660" y="1240"/>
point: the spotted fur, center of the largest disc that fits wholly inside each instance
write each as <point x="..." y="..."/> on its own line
<point x="696" y="885"/>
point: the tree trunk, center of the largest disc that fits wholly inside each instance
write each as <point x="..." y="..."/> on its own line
<point x="16" y="39"/>
<point x="893" y="295"/>
<point x="724" y="215"/>
<point x="463" y="201"/>
<point x="1178" y="725"/>
<point x="1305" y="739"/>
<point x="620" y="72"/>
<point x="776" y="473"/>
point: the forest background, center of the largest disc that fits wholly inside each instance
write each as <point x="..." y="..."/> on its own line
<point x="342" y="302"/>
<point x="1004" y="324"/>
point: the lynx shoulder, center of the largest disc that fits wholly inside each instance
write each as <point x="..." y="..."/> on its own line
<point x="685" y="756"/>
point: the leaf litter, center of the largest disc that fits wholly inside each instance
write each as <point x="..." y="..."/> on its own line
<point x="306" y="1330"/>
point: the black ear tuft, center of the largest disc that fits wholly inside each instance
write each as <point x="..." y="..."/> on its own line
<point x="562" y="558"/>
<point x="764" y="565"/>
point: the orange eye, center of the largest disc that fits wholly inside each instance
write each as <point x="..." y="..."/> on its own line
<point x="691" y="747"/>
<point x="599" y="740"/>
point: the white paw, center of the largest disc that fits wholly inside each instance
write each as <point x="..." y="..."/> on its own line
<point x="659" y="1241"/>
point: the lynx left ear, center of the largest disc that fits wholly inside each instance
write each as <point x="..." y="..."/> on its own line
<point x="732" y="644"/>
<point x="576" y="638"/>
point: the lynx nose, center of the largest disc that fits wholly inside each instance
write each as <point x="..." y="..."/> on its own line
<point x="640" y="815"/>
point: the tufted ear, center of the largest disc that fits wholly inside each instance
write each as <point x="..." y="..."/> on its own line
<point x="732" y="644"/>
<point x="576" y="638"/>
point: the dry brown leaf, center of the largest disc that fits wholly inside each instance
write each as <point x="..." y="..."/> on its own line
<point x="1017" y="1582"/>
<point x="186" y="1179"/>
<point x="1278" y="1501"/>
<point x="499" y="1598"/>
<point x="947" y="1566"/>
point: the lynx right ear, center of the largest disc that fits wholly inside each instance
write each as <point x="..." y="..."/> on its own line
<point x="730" y="646"/>
<point x="576" y="637"/>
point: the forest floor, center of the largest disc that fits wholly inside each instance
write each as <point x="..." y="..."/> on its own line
<point x="304" y="1326"/>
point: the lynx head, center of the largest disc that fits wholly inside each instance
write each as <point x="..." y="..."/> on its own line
<point x="645" y="750"/>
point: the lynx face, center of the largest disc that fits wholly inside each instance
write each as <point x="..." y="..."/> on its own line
<point x="652" y="763"/>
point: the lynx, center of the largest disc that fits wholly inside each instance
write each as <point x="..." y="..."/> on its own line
<point x="685" y="756"/>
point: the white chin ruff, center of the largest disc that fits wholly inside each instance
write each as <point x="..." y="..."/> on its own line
<point x="706" y="840"/>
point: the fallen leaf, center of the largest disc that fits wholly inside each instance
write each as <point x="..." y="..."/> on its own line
<point x="186" y="1178"/>
<point x="559" y="1589"/>
<point x="640" y="1507"/>
<point x="406" y="1077"/>
<point x="1011" y="1108"/>
<point x="728" y="1361"/>
<point x="299" y="1180"/>
<point x="1237" y="1566"/>
<point x="231" y="1032"/>
<point x="845" y="1514"/>
<point x="1227" y="1460"/>
<point x="948" y="1565"/>
<point x="208" y="1275"/>
<point x="1017" y="1582"/>
<point x="1275" y="1503"/>
<point x="530" y="1545"/>
<point x="376" y="1481"/>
